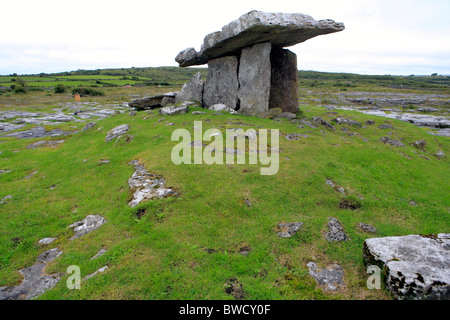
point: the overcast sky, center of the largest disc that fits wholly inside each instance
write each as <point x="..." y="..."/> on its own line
<point x="398" y="37"/>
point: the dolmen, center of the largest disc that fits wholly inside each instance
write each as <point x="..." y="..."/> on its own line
<point x="249" y="69"/>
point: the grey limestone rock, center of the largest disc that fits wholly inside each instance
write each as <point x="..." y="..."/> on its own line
<point x="331" y="277"/>
<point x="287" y="230"/>
<point x="280" y="29"/>
<point x="335" y="232"/>
<point x="222" y="84"/>
<point x="150" y="102"/>
<point x="87" y="225"/>
<point x="191" y="91"/>
<point x="116" y="132"/>
<point x="415" y="266"/>
<point x="254" y="80"/>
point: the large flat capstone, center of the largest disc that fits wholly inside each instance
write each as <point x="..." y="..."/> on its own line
<point x="415" y="266"/>
<point x="280" y="29"/>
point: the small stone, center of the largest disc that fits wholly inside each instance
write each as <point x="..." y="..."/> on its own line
<point x="331" y="277"/>
<point x="440" y="154"/>
<point x="385" y="126"/>
<point x="335" y="231"/>
<point x="101" y="252"/>
<point x="88" y="126"/>
<point x="46" y="241"/>
<point x="116" y="132"/>
<point x="393" y="142"/>
<point x="367" y="227"/>
<point x="6" y="199"/>
<point x="370" y="122"/>
<point x="95" y="273"/>
<point x="87" y="225"/>
<point x="287" y="230"/>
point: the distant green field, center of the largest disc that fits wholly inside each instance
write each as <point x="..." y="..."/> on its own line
<point x="174" y="76"/>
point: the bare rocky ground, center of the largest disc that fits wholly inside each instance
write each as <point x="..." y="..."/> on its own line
<point x="425" y="110"/>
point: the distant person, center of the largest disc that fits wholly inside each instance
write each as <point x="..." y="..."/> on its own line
<point x="77" y="97"/>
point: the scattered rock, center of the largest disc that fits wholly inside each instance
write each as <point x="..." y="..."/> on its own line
<point x="440" y="154"/>
<point x="295" y="136"/>
<point x="46" y="143"/>
<point x="385" y="126"/>
<point x="172" y="110"/>
<point x="46" y="241"/>
<point x="198" y="112"/>
<point x="331" y="277"/>
<point x="147" y="186"/>
<point x="342" y="120"/>
<point x="133" y="112"/>
<point x="101" y="252"/>
<point x="393" y="142"/>
<point x="287" y="230"/>
<point x="367" y="227"/>
<point x="370" y="122"/>
<point x="6" y="199"/>
<point x="414" y="266"/>
<point x="95" y="273"/>
<point x="320" y="121"/>
<point x="335" y="231"/>
<point x="248" y="203"/>
<point x="87" y="225"/>
<point x="38" y="132"/>
<point x="116" y="132"/>
<point x="222" y="107"/>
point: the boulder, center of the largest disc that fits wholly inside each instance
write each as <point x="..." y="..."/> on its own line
<point x="150" y="102"/>
<point x="283" y="80"/>
<point x="254" y="27"/>
<point x="414" y="266"/>
<point x="222" y="83"/>
<point x="254" y="80"/>
<point x="191" y="91"/>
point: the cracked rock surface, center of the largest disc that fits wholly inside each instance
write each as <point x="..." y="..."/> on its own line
<point x="415" y="266"/>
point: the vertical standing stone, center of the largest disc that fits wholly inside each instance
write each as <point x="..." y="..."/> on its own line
<point x="192" y="91"/>
<point x="254" y="80"/>
<point x="284" y="81"/>
<point x="222" y="83"/>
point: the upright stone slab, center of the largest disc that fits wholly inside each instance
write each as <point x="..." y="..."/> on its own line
<point x="283" y="80"/>
<point x="254" y="80"/>
<point x="192" y="91"/>
<point x="222" y="84"/>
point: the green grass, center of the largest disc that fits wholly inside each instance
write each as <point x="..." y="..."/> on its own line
<point x="163" y="254"/>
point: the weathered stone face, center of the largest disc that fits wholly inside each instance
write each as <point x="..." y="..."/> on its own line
<point x="280" y="29"/>
<point x="415" y="266"/>
<point x="192" y="91"/>
<point x="283" y="80"/>
<point x="254" y="80"/>
<point x="222" y="83"/>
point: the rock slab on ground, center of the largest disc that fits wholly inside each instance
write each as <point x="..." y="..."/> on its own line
<point x="87" y="225"/>
<point x="414" y="266"/>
